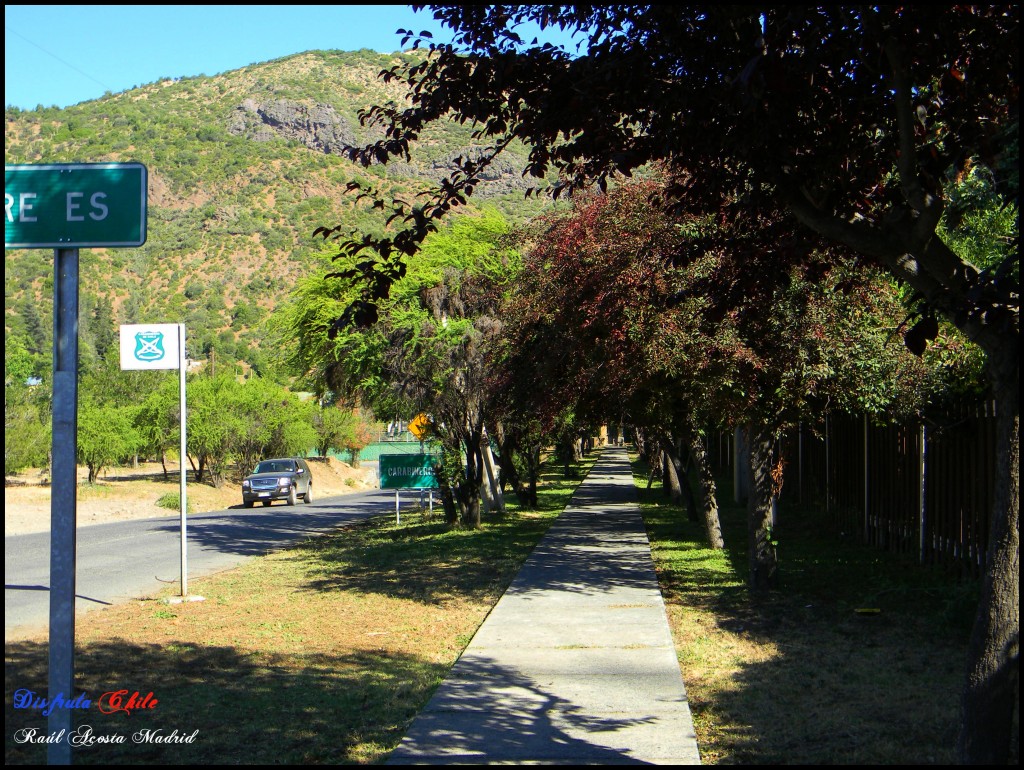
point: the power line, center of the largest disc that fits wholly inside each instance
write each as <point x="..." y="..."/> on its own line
<point x="65" y="63"/>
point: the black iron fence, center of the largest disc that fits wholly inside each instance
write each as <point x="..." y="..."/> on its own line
<point x="924" y="489"/>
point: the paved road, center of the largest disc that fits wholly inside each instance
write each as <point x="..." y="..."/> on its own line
<point x="575" y="665"/>
<point x="131" y="559"/>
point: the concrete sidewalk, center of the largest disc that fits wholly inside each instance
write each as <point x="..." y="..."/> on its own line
<point x="575" y="664"/>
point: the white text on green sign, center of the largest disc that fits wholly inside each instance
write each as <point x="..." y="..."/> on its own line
<point x="407" y="472"/>
<point x="81" y="205"/>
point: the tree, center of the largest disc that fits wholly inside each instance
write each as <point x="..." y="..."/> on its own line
<point x="590" y="319"/>
<point x="97" y="329"/>
<point x="26" y="427"/>
<point x="358" y="435"/>
<point x="849" y="117"/>
<point x="26" y="409"/>
<point x="426" y="349"/>
<point x="266" y="421"/>
<point x="37" y="334"/>
<point x="106" y="383"/>
<point x="106" y="435"/>
<point x="609" y="327"/>
<point x="18" y="362"/>
<point x="158" y="421"/>
<point x="334" y="426"/>
<point x="211" y="425"/>
<point x="104" y="327"/>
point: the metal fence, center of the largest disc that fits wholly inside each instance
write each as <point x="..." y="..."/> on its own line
<point x="922" y="489"/>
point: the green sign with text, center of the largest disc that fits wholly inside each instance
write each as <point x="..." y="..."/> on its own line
<point x="407" y="472"/>
<point x="75" y="205"/>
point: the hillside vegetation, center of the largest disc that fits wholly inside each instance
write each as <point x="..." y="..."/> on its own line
<point x="242" y="167"/>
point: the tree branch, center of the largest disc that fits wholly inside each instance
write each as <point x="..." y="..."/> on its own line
<point x="928" y="207"/>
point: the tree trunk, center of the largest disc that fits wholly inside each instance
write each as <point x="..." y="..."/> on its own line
<point x="681" y="491"/>
<point x="451" y="513"/>
<point x="471" y="512"/>
<point x="993" y="657"/>
<point x="444" y="483"/>
<point x="469" y="492"/>
<point x="762" y="555"/>
<point x="533" y="464"/>
<point x="567" y="455"/>
<point x="507" y="447"/>
<point x="490" y="486"/>
<point x="683" y="471"/>
<point x="670" y="475"/>
<point x="708" y="492"/>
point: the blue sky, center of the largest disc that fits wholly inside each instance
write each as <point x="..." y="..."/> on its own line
<point x="65" y="54"/>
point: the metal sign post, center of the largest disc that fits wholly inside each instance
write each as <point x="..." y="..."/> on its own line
<point x="182" y="455"/>
<point x="67" y="207"/>
<point x="162" y="346"/>
<point x="63" y="498"/>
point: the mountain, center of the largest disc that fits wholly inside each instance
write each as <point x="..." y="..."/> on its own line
<point x="242" y="168"/>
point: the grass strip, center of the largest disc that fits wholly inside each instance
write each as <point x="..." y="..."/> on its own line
<point x="805" y="675"/>
<point x="321" y="654"/>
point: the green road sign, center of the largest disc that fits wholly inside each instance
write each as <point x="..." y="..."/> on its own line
<point x="75" y="205"/>
<point x="407" y="472"/>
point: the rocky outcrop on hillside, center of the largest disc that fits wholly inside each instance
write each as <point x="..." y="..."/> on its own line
<point x="242" y="168"/>
<point x="319" y="126"/>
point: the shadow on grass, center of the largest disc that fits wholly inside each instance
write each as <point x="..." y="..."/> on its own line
<point x="345" y="709"/>
<point x="265" y="709"/>
<point x="353" y="707"/>
<point x="424" y="559"/>
<point x="858" y="657"/>
<point x="263" y="529"/>
<point x="267" y="528"/>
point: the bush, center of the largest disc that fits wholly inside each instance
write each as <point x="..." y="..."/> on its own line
<point x="172" y="502"/>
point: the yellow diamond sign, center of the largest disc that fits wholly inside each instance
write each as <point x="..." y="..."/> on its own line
<point x="419" y="426"/>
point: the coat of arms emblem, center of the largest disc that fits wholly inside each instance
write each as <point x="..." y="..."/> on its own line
<point x="149" y="346"/>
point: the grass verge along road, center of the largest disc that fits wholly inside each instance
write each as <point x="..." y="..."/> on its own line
<point x="857" y="658"/>
<point x="319" y="654"/>
<point x="325" y="652"/>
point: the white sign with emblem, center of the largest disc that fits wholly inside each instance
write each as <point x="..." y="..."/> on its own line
<point x="150" y="346"/>
<point x="162" y="346"/>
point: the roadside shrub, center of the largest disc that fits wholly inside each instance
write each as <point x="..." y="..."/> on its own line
<point x="172" y="502"/>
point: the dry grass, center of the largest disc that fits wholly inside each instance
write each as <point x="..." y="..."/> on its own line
<point x="319" y="654"/>
<point x="324" y="653"/>
<point x="801" y="677"/>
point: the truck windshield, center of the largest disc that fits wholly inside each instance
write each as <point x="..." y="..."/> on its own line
<point x="275" y="467"/>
